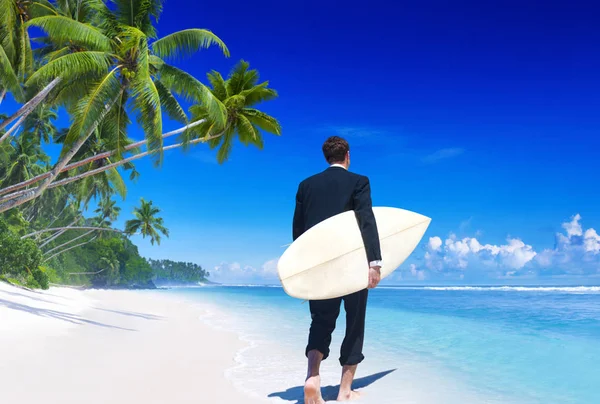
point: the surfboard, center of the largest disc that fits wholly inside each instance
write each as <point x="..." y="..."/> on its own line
<point x="329" y="259"/>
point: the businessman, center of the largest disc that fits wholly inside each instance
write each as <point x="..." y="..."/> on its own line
<point x="328" y="193"/>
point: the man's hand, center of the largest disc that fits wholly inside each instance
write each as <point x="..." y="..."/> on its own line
<point x="374" y="276"/>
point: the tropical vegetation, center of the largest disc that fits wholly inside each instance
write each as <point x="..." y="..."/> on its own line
<point x="101" y="65"/>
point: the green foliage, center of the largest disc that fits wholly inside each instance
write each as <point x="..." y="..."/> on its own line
<point x="107" y="262"/>
<point x="41" y="278"/>
<point x="239" y="94"/>
<point x="18" y="258"/>
<point x="170" y="272"/>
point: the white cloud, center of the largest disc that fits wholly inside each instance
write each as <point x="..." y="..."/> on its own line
<point x="573" y="227"/>
<point x="419" y="274"/>
<point x="458" y="254"/>
<point x="435" y="243"/>
<point x="576" y="252"/>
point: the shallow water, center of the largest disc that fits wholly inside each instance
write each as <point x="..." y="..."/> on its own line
<point x="426" y="344"/>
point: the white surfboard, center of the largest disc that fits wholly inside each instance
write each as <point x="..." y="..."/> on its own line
<point x="329" y="259"/>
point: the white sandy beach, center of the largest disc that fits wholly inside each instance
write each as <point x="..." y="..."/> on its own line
<point x="72" y="346"/>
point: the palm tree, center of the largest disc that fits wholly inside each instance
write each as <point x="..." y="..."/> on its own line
<point x="111" y="60"/>
<point x="16" y="55"/>
<point x="239" y="93"/>
<point x="146" y="223"/>
<point x="40" y="123"/>
<point x="26" y="161"/>
<point x="107" y="209"/>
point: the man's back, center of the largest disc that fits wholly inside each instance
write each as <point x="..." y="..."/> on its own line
<point x="319" y="197"/>
<point x="334" y="191"/>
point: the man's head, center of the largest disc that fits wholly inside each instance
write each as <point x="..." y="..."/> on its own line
<point x="337" y="151"/>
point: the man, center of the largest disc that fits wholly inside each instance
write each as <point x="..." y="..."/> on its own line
<point x="319" y="197"/>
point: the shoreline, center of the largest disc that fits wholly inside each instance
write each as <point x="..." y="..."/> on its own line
<point x="119" y="346"/>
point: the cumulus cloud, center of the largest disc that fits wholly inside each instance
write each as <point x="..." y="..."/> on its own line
<point x="458" y="254"/>
<point x="576" y="252"/>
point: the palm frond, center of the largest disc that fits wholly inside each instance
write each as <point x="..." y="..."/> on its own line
<point x="8" y="78"/>
<point x="147" y="103"/>
<point x="64" y="30"/>
<point x="246" y="131"/>
<point x="226" y="146"/>
<point x="116" y="182"/>
<point x="262" y="120"/>
<point x="219" y="86"/>
<point x="241" y="78"/>
<point x="186" y="85"/>
<point x="138" y="14"/>
<point x="8" y="28"/>
<point x="72" y="67"/>
<point x="187" y="42"/>
<point x="25" y="55"/>
<point x="259" y="93"/>
<point x="92" y="108"/>
<point x="40" y="8"/>
<point x="170" y="104"/>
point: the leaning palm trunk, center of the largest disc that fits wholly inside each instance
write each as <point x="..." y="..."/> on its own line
<point x="26" y="109"/>
<point x="86" y="273"/>
<point x="12" y="129"/>
<point x="57" y="234"/>
<point x="124" y="161"/>
<point x="34" y="193"/>
<point x="69" y="242"/>
<point x="91" y="159"/>
<point x="70" y="248"/>
<point x="21" y="194"/>
<point x="72" y="228"/>
<point x="2" y="95"/>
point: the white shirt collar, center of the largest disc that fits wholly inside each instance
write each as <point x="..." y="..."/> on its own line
<point x="337" y="165"/>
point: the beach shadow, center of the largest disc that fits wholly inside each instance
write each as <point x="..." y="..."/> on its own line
<point x="59" y="315"/>
<point x="30" y="297"/>
<point x="133" y="314"/>
<point x="296" y="394"/>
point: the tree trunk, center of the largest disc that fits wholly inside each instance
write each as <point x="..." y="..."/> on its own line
<point x="69" y="242"/>
<point x="121" y="162"/>
<point x="2" y="95"/>
<point x="11" y="130"/>
<point x="31" y="104"/>
<point x="72" y="228"/>
<point x="34" y="193"/>
<point x="91" y="159"/>
<point x="58" y="234"/>
<point x="19" y="195"/>
<point x="86" y="273"/>
<point x="70" y="248"/>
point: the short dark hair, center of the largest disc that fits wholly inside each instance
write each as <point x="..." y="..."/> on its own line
<point x="335" y="149"/>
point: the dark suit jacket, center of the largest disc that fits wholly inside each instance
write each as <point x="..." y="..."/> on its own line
<point x="334" y="191"/>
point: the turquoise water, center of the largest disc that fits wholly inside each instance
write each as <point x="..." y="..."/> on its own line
<point x="504" y="344"/>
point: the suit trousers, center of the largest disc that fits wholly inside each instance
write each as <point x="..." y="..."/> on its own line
<point x="324" y="314"/>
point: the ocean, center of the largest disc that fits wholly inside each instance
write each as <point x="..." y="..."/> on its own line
<point x="423" y="344"/>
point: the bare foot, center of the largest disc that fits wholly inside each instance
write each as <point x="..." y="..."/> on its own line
<point x="312" y="391"/>
<point x="350" y="396"/>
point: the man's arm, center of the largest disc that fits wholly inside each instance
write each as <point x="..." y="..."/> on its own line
<point x="298" y="223"/>
<point x="363" y="209"/>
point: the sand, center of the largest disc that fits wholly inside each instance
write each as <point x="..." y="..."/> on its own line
<point x="96" y="346"/>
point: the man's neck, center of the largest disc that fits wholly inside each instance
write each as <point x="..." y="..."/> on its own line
<point x="338" y="165"/>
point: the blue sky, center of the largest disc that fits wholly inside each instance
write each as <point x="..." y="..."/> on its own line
<point x="483" y="117"/>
